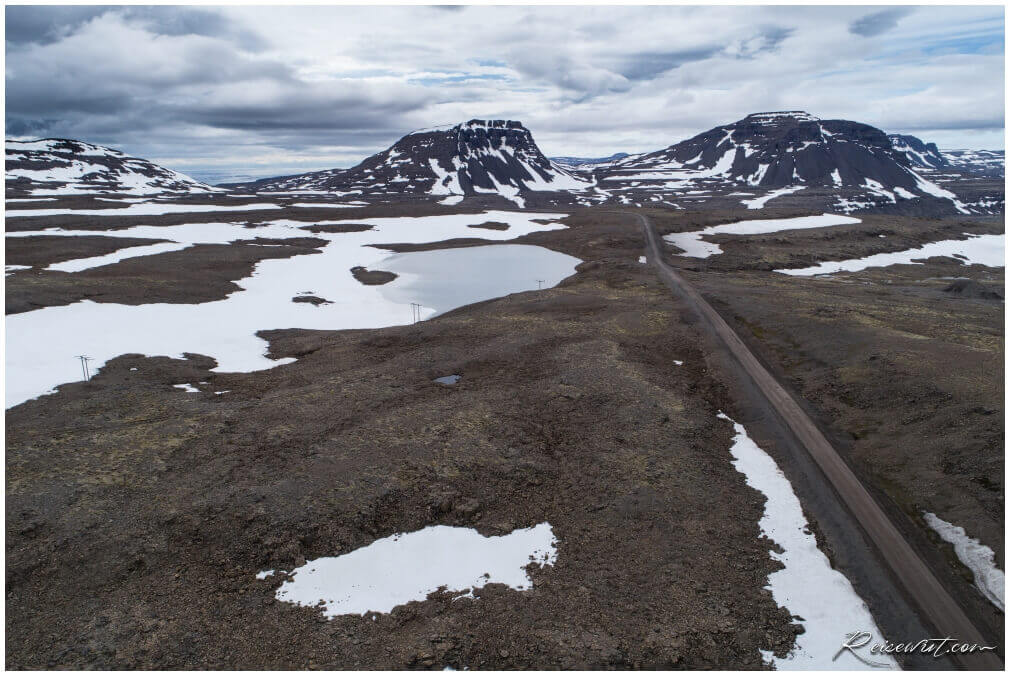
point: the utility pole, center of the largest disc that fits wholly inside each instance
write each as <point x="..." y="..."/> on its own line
<point x="415" y="311"/>
<point x="85" y="371"/>
<point x="540" y="283"/>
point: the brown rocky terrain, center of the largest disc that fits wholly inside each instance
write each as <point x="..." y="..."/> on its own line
<point x="138" y="515"/>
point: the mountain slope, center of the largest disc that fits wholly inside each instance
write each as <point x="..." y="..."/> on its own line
<point x="783" y="152"/>
<point x="917" y="152"/>
<point x="67" y="167"/>
<point x="476" y="157"/>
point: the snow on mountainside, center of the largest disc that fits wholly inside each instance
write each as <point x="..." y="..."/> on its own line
<point x="918" y="153"/>
<point x="473" y="158"/>
<point x="67" y="167"/>
<point x="773" y="154"/>
<point x="587" y="162"/>
<point x="990" y="163"/>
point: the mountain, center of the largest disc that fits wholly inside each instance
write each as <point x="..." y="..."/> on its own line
<point x="782" y="152"/>
<point x="67" y="167"/>
<point x="988" y="163"/>
<point x="586" y="162"/>
<point x="472" y="158"/>
<point x="918" y="153"/>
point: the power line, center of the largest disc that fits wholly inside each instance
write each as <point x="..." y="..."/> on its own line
<point x="85" y="371"/>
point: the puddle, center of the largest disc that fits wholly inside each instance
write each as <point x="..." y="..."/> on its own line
<point x="448" y="380"/>
<point x="408" y="566"/>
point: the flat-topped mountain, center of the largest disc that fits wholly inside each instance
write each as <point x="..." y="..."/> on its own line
<point x="68" y="167"/>
<point x="783" y="152"/>
<point x="779" y="149"/>
<point x="471" y="158"/>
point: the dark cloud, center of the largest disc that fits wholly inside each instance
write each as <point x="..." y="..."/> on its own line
<point x="879" y="22"/>
<point x="27" y="24"/>
<point x="648" y="65"/>
<point x="264" y="85"/>
<point x="46" y="24"/>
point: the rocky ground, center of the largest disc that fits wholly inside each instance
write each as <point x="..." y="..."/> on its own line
<point x="902" y="365"/>
<point x="138" y="514"/>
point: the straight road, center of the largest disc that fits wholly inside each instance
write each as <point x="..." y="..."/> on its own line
<point x="936" y="605"/>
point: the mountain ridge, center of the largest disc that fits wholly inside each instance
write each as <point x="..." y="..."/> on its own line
<point x="59" y="166"/>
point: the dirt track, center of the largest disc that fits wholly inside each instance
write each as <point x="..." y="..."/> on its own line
<point x="937" y="606"/>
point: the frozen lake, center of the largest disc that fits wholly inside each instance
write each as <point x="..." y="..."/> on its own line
<point x="448" y="278"/>
<point x="42" y="344"/>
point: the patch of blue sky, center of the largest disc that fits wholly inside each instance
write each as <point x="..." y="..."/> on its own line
<point x="991" y="43"/>
<point x="454" y="78"/>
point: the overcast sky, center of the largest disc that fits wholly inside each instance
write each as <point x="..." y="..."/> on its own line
<point x="265" y="91"/>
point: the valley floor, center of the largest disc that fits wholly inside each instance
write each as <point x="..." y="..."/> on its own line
<point x="139" y="513"/>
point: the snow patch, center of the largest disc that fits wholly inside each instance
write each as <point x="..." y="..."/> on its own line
<point x="978" y="250"/>
<point x="807" y="586"/>
<point x="408" y="567"/>
<point x="979" y="559"/>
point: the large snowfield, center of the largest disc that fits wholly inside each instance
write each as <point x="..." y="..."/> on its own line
<point x="42" y="344"/>
<point x="976" y="250"/>
<point x="696" y="247"/>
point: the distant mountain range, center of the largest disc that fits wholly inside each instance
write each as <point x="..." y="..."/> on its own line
<point x="991" y="163"/>
<point x="788" y="156"/>
<point x="67" y="167"/>
<point x="584" y="162"/>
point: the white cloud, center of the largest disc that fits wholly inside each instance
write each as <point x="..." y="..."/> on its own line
<point x="315" y="87"/>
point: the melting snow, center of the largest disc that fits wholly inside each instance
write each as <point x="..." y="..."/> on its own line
<point x="695" y="247"/>
<point x="979" y="559"/>
<point x="142" y="209"/>
<point x="979" y="250"/>
<point x="41" y="344"/>
<point x="759" y="202"/>
<point x="807" y="586"/>
<point x="409" y="566"/>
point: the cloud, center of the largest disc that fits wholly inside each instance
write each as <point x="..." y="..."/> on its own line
<point x="315" y="86"/>
<point x="879" y="22"/>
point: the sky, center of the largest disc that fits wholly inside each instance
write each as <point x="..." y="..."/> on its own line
<point x="229" y="92"/>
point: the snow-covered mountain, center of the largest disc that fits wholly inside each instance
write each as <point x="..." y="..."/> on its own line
<point x="918" y="153"/>
<point x="989" y="163"/>
<point x="67" y="167"/>
<point x="472" y="158"/>
<point x="767" y="155"/>
<point x="587" y="162"/>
